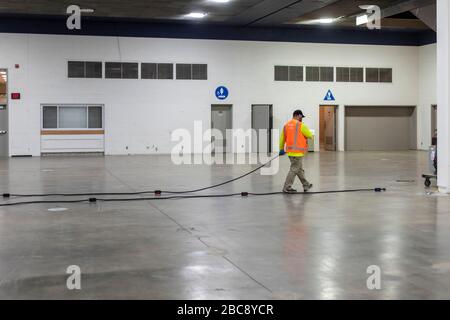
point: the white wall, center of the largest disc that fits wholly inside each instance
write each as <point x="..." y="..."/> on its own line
<point x="427" y="93"/>
<point x="141" y="114"/>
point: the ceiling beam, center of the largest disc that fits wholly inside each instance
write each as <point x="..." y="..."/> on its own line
<point x="405" y="6"/>
<point x="427" y="15"/>
<point x="401" y="6"/>
<point x="294" y="11"/>
<point x="262" y="9"/>
<point x="271" y="12"/>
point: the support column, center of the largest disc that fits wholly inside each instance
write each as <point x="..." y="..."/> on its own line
<point x="443" y="88"/>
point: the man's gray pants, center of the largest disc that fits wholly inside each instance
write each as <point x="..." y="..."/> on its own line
<point x="296" y="170"/>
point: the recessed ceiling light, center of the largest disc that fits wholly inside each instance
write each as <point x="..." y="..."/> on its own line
<point x="220" y="1"/>
<point x="326" y="20"/>
<point x="196" y="15"/>
<point x="57" y="209"/>
<point x="321" y="21"/>
<point x="87" y="10"/>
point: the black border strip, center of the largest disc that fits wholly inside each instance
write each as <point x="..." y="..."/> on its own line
<point x="145" y="29"/>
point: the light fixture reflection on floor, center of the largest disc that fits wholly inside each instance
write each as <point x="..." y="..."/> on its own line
<point x="57" y="209"/>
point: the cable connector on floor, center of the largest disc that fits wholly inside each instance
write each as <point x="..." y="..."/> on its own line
<point x="158" y="192"/>
<point x="379" y="189"/>
<point x="92" y="200"/>
<point x="6" y="195"/>
<point x="244" y="194"/>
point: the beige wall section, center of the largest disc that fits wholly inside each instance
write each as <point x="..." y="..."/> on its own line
<point x="363" y="124"/>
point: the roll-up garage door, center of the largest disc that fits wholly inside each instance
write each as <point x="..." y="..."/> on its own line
<point x="380" y="128"/>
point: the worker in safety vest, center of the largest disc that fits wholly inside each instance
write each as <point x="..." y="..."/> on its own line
<point x="294" y="141"/>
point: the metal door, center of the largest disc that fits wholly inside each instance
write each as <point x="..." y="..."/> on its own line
<point x="262" y="125"/>
<point x="363" y="123"/>
<point x="221" y="119"/>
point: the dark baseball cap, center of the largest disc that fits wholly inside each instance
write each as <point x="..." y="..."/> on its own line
<point x="299" y="113"/>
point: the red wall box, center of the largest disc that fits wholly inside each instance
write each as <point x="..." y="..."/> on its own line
<point x="15" y="95"/>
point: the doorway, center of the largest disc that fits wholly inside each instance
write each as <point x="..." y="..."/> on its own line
<point x="327" y="130"/>
<point x="3" y="113"/>
<point x="222" y="120"/>
<point x="363" y="123"/>
<point x="262" y="124"/>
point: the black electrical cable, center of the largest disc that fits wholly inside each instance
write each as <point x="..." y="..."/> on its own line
<point x="243" y="194"/>
<point x="223" y="183"/>
<point x="318" y="192"/>
<point x="41" y="202"/>
<point x="157" y="192"/>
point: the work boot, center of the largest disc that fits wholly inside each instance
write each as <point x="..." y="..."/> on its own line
<point x="308" y="187"/>
<point x="289" y="190"/>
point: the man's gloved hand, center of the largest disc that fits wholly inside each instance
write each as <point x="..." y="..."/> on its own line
<point x="282" y="153"/>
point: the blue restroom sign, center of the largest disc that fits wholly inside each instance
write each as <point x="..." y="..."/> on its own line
<point x="329" y="96"/>
<point x="222" y="93"/>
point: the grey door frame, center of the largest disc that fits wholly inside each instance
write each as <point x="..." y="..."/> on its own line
<point x="336" y="113"/>
<point x="270" y="122"/>
<point x="7" y="112"/>
<point x="232" y="123"/>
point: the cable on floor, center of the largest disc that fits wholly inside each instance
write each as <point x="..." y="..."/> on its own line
<point x="242" y="194"/>
<point x="156" y="192"/>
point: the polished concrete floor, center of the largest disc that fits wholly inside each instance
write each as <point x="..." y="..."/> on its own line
<point x="274" y="247"/>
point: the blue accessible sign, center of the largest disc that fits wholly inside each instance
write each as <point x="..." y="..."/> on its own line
<point x="222" y="93"/>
